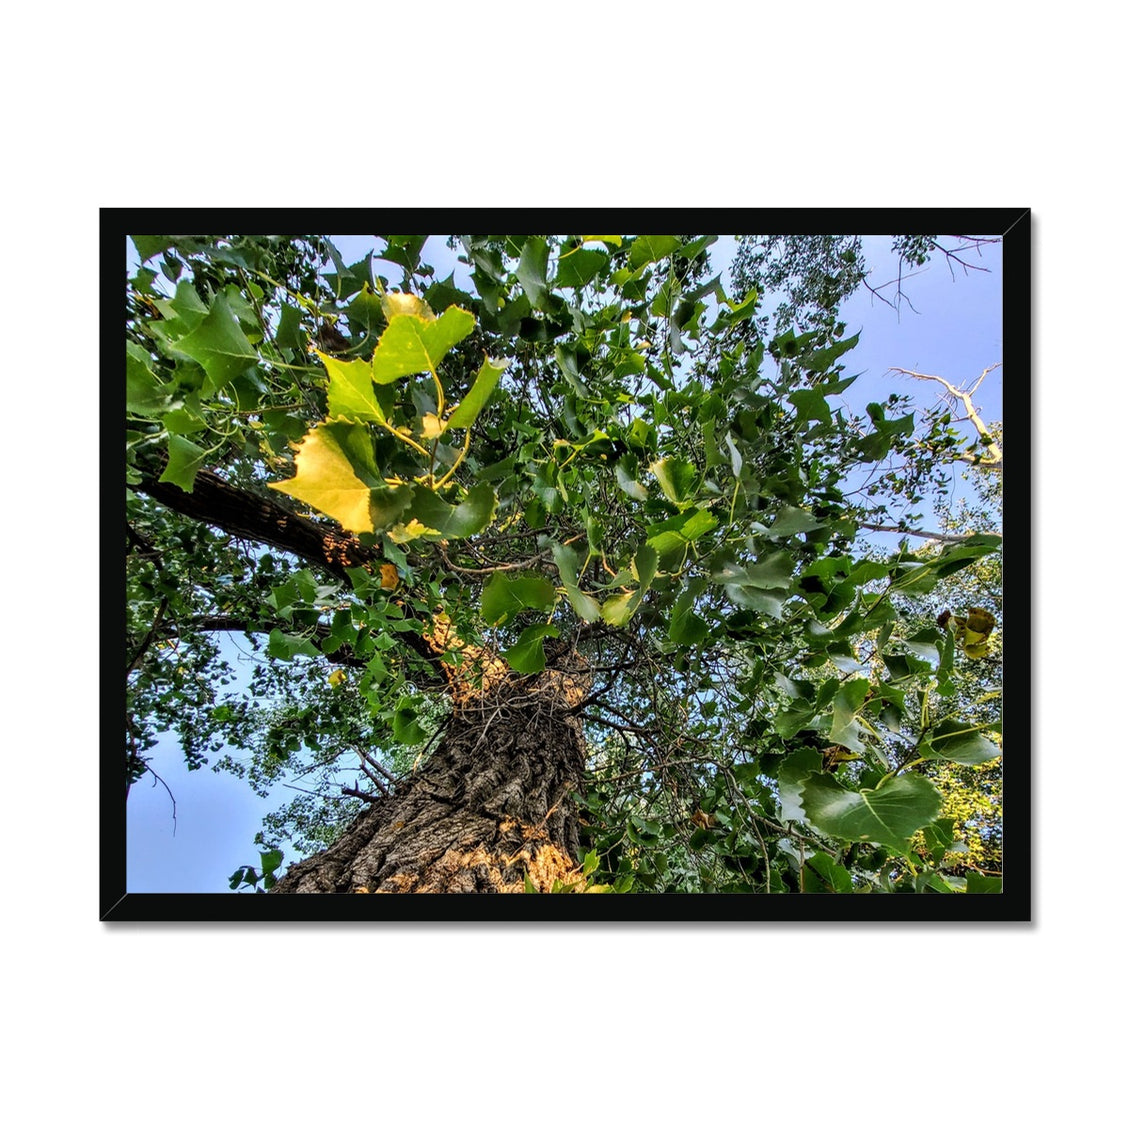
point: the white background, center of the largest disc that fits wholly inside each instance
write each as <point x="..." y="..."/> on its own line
<point x="597" y="105"/>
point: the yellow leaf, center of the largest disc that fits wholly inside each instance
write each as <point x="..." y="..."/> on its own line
<point x="336" y="677"/>
<point x="432" y="426"/>
<point x="835" y="755"/>
<point x="977" y="628"/>
<point x="971" y="631"/>
<point x="402" y="534"/>
<point x="394" y="304"/>
<point x="981" y="621"/>
<point x="389" y="577"/>
<point x="325" y="479"/>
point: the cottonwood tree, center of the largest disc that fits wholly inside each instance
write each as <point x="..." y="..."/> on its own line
<point x="810" y="276"/>
<point x="559" y="564"/>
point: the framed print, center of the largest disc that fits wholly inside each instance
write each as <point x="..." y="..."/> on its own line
<point x="661" y="567"/>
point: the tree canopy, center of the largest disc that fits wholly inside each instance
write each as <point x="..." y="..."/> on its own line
<point x="588" y="476"/>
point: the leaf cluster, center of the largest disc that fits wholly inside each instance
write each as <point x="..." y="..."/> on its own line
<point x="596" y="447"/>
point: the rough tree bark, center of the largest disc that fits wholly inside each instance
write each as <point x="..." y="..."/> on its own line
<point x="491" y="808"/>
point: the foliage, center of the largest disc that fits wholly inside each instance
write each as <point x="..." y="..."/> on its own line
<point x="811" y="276"/>
<point x="248" y="876"/>
<point x="590" y="447"/>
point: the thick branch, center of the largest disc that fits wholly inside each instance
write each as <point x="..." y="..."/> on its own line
<point x="951" y="538"/>
<point x="994" y="456"/>
<point x="243" y="514"/>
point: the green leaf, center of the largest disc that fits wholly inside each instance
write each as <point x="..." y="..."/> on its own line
<point x="835" y="877"/>
<point x="584" y="605"/>
<point x="887" y="815"/>
<point x="150" y="245"/>
<point x="219" y="346"/>
<point x="404" y="251"/>
<point x="644" y="566"/>
<point x="348" y="280"/>
<point x="527" y="655"/>
<point x="567" y="564"/>
<point x="464" y="520"/>
<point x="185" y="459"/>
<point x="739" y="311"/>
<point x="695" y="524"/>
<point x="327" y="465"/>
<point x="768" y="601"/>
<point x="669" y="538"/>
<point x="619" y="609"/>
<point x="440" y="295"/>
<point x="847" y="702"/>
<point x="938" y="837"/>
<point x="793" y="773"/>
<point x="904" y="666"/>
<point x="406" y="728"/>
<point x="180" y="421"/>
<point x="811" y="403"/>
<point x="982" y="884"/>
<point x="387" y="505"/>
<point x="415" y="343"/>
<point x="677" y="477"/>
<point x="282" y="645"/>
<point x="687" y="628"/>
<point x="567" y="362"/>
<point x="145" y="393"/>
<point x="736" y="460"/>
<point x="566" y="560"/>
<point x="773" y="571"/>
<point x="960" y="742"/>
<point x="289" y="334"/>
<point x="478" y="396"/>
<point x="531" y="271"/>
<point x="820" y="360"/>
<point x="628" y="484"/>
<point x="351" y="394"/>
<point x="578" y="267"/>
<point x="650" y="248"/>
<point x="790" y="521"/>
<point x="506" y="594"/>
<point x="877" y="445"/>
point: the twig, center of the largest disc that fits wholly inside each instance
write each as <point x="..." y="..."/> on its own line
<point x="148" y="638"/>
<point x="951" y="538"/>
<point x="171" y="796"/>
<point x="346" y="791"/>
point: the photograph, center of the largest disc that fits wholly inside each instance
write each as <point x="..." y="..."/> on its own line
<point x="662" y="567"/>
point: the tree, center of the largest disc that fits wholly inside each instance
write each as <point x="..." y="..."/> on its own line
<point x="812" y="275"/>
<point x="562" y="564"/>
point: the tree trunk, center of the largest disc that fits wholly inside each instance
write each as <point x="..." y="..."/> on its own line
<point x="488" y="812"/>
<point x="491" y="808"/>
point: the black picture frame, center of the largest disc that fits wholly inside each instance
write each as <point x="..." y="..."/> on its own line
<point x="1012" y="905"/>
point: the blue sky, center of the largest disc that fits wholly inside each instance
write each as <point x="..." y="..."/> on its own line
<point x="955" y="333"/>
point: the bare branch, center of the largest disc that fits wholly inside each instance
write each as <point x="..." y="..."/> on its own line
<point x="972" y="243"/>
<point x="994" y="456"/>
<point x="951" y="538"/>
